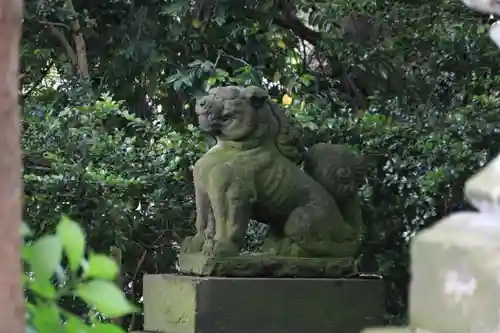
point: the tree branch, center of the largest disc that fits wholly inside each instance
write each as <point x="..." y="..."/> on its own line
<point x="295" y="25"/>
<point x="288" y="21"/>
<point x="59" y="34"/>
<point x="80" y="48"/>
<point x="56" y="24"/>
<point x="78" y="54"/>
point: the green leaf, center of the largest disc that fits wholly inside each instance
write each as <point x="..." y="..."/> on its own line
<point x="24" y="279"/>
<point x="43" y="288"/>
<point x="47" y="318"/>
<point x="26" y="253"/>
<point x="211" y="81"/>
<point x="76" y="325"/>
<point x="106" y="328"/>
<point x="106" y="297"/>
<point x="276" y="76"/>
<point x="173" y="78"/>
<point x="175" y="8"/>
<point x="73" y="241"/>
<point x="102" y="267"/>
<point x="177" y="84"/>
<point x="60" y="275"/>
<point x="45" y="255"/>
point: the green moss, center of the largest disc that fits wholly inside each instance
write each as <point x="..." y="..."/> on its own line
<point x="252" y="265"/>
<point x="253" y="173"/>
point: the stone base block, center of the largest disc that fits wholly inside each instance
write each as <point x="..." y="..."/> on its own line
<point x="389" y="330"/>
<point x="264" y="266"/>
<point x="188" y="304"/>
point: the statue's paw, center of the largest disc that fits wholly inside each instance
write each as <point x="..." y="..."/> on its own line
<point x="285" y="247"/>
<point x="185" y="244"/>
<point x="294" y="250"/>
<point x="282" y="247"/>
<point x="226" y="249"/>
<point x="272" y="246"/>
<point x="193" y="244"/>
<point x="208" y="247"/>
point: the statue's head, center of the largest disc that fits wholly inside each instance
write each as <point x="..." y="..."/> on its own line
<point x="246" y="113"/>
<point x="235" y="113"/>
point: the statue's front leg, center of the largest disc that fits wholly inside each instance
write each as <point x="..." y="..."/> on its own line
<point x="209" y="243"/>
<point x="204" y="224"/>
<point x="231" y="212"/>
<point x="273" y="241"/>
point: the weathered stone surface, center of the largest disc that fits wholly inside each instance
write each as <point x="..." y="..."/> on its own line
<point x="483" y="6"/>
<point x="391" y="330"/>
<point x="183" y="304"/>
<point x="483" y="189"/>
<point x="456" y="275"/>
<point x="456" y="265"/>
<point x="254" y="172"/>
<point x="264" y="266"/>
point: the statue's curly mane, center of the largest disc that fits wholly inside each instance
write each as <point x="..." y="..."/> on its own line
<point x="289" y="139"/>
<point x="333" y="166"/>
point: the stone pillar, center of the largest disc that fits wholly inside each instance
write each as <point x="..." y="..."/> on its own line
<point x="455" y="266"/>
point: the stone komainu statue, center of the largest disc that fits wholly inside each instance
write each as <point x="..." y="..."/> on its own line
<point x="254" y="172"/>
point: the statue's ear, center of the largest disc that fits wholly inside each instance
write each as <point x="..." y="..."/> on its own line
<point x="257" y="96"/>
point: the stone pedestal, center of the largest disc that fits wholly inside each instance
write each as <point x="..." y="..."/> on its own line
<point x="188" y="304"/>
<point x="392" y="330"/>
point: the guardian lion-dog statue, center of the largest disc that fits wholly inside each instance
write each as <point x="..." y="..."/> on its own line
<point x="260" y="169"/>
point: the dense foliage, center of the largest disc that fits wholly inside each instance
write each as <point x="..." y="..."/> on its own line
<point x="109" y="128"/>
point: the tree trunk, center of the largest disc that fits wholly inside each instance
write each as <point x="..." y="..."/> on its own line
<point x="11" y="298"/>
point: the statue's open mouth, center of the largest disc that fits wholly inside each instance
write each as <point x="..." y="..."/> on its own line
<point x="219" y="122"/>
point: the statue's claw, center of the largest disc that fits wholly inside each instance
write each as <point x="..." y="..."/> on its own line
<point x="226" y="248"/>
<point x="193" y="244"/>
<point x="208" y="247"/>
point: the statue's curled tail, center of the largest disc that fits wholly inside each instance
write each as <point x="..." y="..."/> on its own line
<point x="341" y="173"/>
<point x="334" y="166"/>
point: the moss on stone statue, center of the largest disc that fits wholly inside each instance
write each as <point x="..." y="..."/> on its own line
<point x="254" y="265"/>
<point x="254" y="172"/>
<point x="391" y="330"/>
